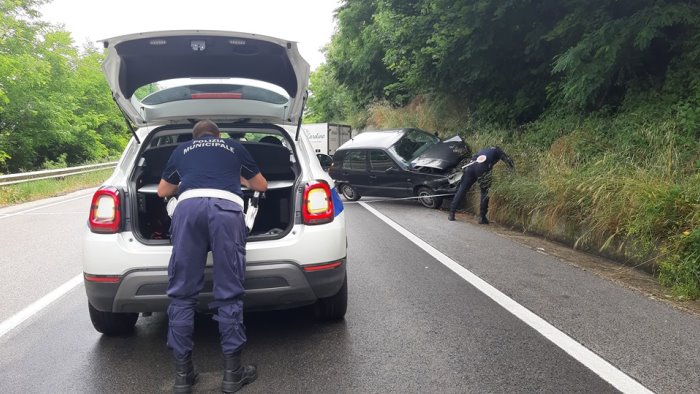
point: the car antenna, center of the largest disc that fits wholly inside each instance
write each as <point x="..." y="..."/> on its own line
<point x="301" y="116"/>
<point x="126" y="119"/>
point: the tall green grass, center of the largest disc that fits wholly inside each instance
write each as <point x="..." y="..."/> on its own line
<point x="35" y="190"/>
<point x="428" y="113"/>
<point x="626" y="186"/>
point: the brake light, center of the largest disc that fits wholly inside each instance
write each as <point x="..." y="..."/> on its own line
<point x="105" y="211"/>
<point x="317" y="204"/>
<point x="196" y="96"/>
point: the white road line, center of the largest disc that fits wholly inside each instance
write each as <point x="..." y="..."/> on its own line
<point x="19" y="317"/>
<point x="592" y="361"/>
<point x="43" y="206"/>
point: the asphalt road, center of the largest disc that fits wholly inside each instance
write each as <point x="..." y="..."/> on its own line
<point x="413" y="324"/>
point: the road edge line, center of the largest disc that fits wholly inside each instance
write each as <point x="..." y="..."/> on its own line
<point x="575" y="349"/>
<point x="20" y="317"/>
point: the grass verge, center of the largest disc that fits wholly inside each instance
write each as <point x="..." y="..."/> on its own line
<point x="35" y="190"/>
<point x="626" y="186"/>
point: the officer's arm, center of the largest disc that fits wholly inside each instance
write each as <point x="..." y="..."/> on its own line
<point x="257" y="183"/>
<point x="506" y="159"/>
<point x="166" y="189"/>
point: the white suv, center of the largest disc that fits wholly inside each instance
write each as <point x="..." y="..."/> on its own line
<point x="254" y="88"/>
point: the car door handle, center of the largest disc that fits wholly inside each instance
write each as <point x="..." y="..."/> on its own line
<point x="373" y="177"/>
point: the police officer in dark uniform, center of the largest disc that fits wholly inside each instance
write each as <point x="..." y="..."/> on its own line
<point x="479" y="169"/>
<point x="208" y="217"/>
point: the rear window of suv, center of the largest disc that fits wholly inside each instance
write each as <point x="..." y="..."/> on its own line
<point x="213" y="91"/>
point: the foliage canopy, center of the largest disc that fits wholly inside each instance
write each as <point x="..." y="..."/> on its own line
<point x="511" y="61"/>
<point x="55" y="106"/>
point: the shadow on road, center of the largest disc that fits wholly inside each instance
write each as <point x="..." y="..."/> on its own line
<point x="142" y="362"/>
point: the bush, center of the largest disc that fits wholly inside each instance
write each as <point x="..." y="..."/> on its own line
<point x="681" y="269"/>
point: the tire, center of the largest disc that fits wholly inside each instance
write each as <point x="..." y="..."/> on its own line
<point x="113" y="324"/>
<point x="333" y="308"/>
<point x="425" y="196"/>
<point x="349" y="192"/>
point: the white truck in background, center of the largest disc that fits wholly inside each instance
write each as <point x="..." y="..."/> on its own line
<point x="327" y="137"/>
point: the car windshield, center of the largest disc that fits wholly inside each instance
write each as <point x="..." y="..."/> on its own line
<point x="412" y="145"/>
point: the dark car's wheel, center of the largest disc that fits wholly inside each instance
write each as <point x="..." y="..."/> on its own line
<point x="112" y="324"/>
<point x="335" y="306"/>
<point x="427" y="198"/>
<point x="349" y="192"/>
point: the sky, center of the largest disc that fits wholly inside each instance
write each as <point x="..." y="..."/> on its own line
<point x="308" y="22"/>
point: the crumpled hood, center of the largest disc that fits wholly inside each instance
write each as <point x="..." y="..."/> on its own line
<point x="443" y="156"/>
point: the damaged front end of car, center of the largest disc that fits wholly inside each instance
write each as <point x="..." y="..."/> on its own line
<point x="445" y="158"/>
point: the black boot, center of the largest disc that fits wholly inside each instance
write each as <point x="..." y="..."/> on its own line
<point x="451" y="216"/>
<point x="484" y="207"/>
<point x="185" y="376"/>
<point x="237" y="375"/>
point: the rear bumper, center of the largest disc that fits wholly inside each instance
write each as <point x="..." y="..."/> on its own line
<point x="273" y="285"/>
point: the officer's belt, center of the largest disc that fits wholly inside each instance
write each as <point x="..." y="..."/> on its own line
<point x="215" y="193"/>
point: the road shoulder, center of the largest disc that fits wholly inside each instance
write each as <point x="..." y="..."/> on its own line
<point x="623" y="275"/>
<point x="603" y="306"/>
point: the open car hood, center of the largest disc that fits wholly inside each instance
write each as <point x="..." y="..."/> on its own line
<point x="137" y="60"/>
<point x="444" y="155"/>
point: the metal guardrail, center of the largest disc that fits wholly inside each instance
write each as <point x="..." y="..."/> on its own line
<point x="12" y="179"/>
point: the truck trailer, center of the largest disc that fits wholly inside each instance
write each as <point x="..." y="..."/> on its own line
<point x="327" y="137"/>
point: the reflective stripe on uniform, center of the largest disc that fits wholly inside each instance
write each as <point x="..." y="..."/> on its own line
<point x="215" y="193"/>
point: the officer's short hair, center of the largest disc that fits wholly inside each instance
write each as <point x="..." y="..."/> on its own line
<point x="205" y="127"/>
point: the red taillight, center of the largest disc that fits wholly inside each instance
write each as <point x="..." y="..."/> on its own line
<point x="105" y="211"/>
<point x="317" y="204"/>
<point x="196" y="96"/>
<point x="103" y="278"/>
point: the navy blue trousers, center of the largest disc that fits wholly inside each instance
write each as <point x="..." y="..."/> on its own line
<point x="470" y="175"/>
<point x="200" y="225"/>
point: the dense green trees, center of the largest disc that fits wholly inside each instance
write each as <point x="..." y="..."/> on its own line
<point x="55" y="106"/>
<point x="510" y="61"/>
<point x="329" y="101"/>
<point x="356" y="54"/>
<point x="597" y="100"/>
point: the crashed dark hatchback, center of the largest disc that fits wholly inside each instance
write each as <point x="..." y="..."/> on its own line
<point x="399" y="163"/>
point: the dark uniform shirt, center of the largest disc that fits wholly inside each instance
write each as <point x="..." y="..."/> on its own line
<point x="211" y="163"/>
<point x="492" y="154"/>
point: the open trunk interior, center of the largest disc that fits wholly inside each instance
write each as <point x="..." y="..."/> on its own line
<point x="275" y="217"/>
